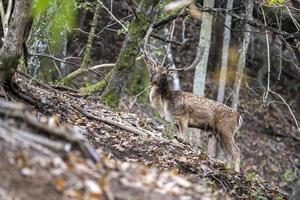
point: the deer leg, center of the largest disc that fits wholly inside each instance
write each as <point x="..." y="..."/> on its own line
<point x="182" y="126"/>
<point x="237" y="158"/>
<point x="231" y="151"/>
<point x="212" y="145"/>
<point x="218" y="147"/>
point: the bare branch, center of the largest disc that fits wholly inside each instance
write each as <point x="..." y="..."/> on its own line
<point x="268" y="58"/>
<point x="112" y="15"/>
<point x="290" y="110"/>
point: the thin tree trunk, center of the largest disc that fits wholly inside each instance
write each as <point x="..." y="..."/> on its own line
<point x="5" y="16"/>
<point x="126" y="60"/>
<point x="242" y="57"/>
<point x="87" y="53"/>
<point x="175" y="77"/>
<point x="204" y="45"/>
<point x="225" y="52"/>
<point x="13" y="43"/>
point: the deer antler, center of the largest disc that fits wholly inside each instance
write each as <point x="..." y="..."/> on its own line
<point x="200" y="52"/>
<point x="153" y="64"/>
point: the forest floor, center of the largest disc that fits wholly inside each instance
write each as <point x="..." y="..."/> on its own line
<point x="136" y="160"/>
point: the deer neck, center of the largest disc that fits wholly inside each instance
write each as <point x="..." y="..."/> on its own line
<point x="164" y="89"/>
<point x="159" y="94"/>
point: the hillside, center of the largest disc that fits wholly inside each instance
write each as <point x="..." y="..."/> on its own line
<point x="45" y="156"/>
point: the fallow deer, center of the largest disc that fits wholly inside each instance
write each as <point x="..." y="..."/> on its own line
<point x="189" y="110"/>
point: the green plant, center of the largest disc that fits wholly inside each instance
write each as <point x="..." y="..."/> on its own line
<point x="289" y="176"/>
<point x="170" y="131"/>
<point x="272" y="2"/>
<point x="258" y="195"/>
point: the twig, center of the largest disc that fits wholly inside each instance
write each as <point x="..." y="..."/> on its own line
<point x="102" y="66"/>
<point x="136" y="96"/>
<point x="69" y="62"/>
<point x="168" y="19"/>
<point x="135" y="14"/>
<point x="183" y="36"/>
<point x="55" y="58"/>
<point x="251" y="22"/>
<point x="166" y="40"/>
<point x="112" y="15"/>
<point x="291" y="112"/>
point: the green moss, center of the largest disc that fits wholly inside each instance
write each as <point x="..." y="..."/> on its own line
<point x="111" y="99"/>
<point x="93" y="88"/>
<point x="125" y="64"/>
<point x="68" y="79"/>
<point x="38" y="43"/>
<point x="97" y="87"/>
<point x="139" y="80"/>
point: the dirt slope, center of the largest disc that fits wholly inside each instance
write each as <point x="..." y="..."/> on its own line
<point x="122" y="140"/>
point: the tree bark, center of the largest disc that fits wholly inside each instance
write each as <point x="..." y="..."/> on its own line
<point x="204" y="45"/>
<point x="225" y="52"/>
<point x="13" y="43"/>
<point x="126" y="60"/>
<point x="175" y="77"/>
<point x="242" y="57"/>
<point x="38" y="42"/>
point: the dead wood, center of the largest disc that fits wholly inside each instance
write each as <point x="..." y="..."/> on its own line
<point x="18" y="112"/>
<point x="111" y="122"/>
<point x="136" y="130"/>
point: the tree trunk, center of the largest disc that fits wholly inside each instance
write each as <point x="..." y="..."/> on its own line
<point x="242" y="57"/>
<point x="87" y="53"/>
<point x="225" y="52"/>
<point x="139" y="80"/>
<point x="204" y="45"/>
<point x="38" y="42"/>
<point x="13" y="43"/>
<point x="126" y="60"/>
<point x="175" y="77"/>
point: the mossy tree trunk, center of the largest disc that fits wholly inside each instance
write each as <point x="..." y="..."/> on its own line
<point x="139" y="80"/>
<point x="131" y="48"/>
<point x="97" y="87"/>
<point x="39" y="43"/>
<point x="13" y="42"/>
<point x="87" y="53"/>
